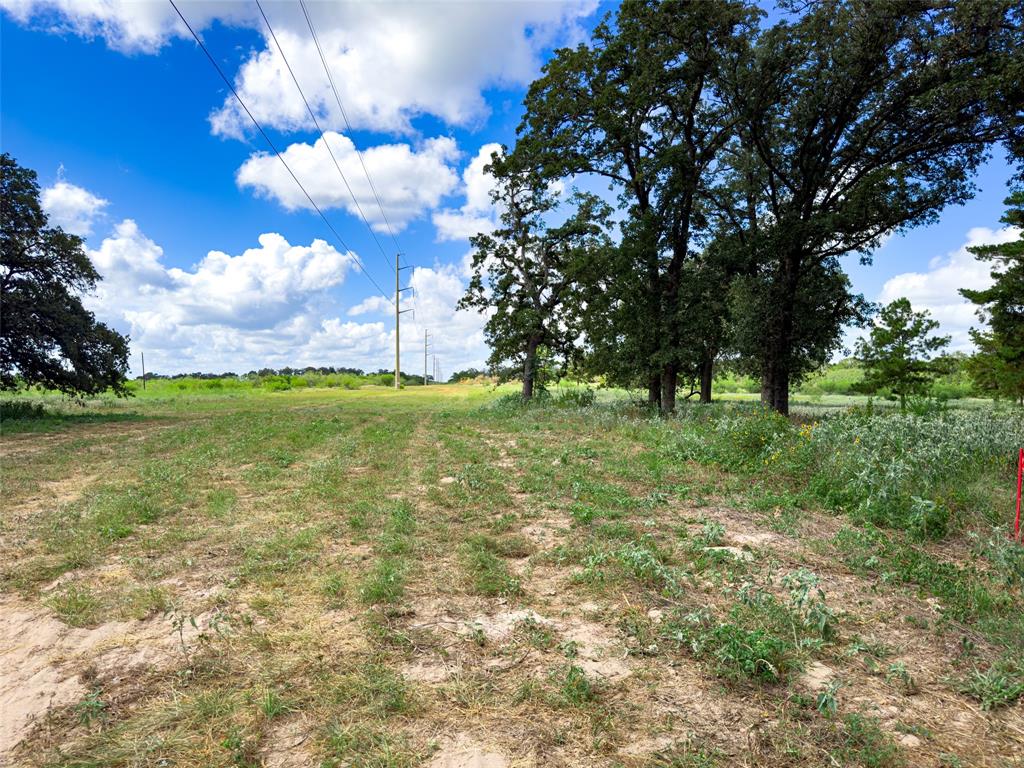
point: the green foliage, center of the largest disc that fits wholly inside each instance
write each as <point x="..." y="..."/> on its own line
<point x="1001" y="685"/>
<point x="385" y="583"/>
<point x="575" y="687"/>
<point x="359" y="746"/>
<point x="91" y="709"/>
<point x="593" y="112"/>
<point x="998" y="366"/>
<point x="904" y="471"/>
<point x="864" y="743"/>
<point x="77" y="605"/>
<point x="488" y="573"/>
<point x="525" y="269"/>
<point x="48" y="337"/>
<point x="737" y="653"/>
<point x="21" y="409"/>
<point x="899" y="352"/>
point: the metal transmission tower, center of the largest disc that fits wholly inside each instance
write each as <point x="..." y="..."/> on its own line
<point x="398" y="318"/>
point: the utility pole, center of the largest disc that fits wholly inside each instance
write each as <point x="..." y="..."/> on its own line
<point x="425" y="334"/>
<point x="143" y="370"/>
<point x="398" y="317"/>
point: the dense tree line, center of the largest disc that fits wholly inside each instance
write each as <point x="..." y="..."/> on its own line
<point x="745" y="159"/>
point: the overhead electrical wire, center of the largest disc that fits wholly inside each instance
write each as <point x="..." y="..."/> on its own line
<point x="320" y="130"/>
<point x="348" y="126"/>
<point x="270" y="143"/>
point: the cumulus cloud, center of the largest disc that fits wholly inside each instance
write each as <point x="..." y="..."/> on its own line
<point x="270" y="306"/>
<point x="937" y="289"/>
<point x="72" y="208"/>
<point x="128" y="26"/>
<point x="180" y="313"/>
<point x="408" y="181"/>
<point x="391" y="61"/>
<point x="477" y="214"/>
<point x="370" y="305"/>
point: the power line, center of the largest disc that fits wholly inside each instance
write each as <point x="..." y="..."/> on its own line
<point x="277" y="152"/>
<point x="323" y="137"/>
<point x="348" y="126"/>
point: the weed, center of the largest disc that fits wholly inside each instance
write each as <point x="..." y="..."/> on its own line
<point x="1001" y="685"/>
<point x="488" y="573"/>
<point x="359" y="746"/>
<point x="385" y="583"/>
<point x="91" y="709"/>
<point x="272" y="705"/>
<point x="737" y="653"/>
<point x="898" y="673"/>
<point x="574" y="688"/>
<point x="712" y="533"/>
<point x="77" y="605"/>
<point x="334" y="588"/>
<point x="827" y="701"/>
<point x="864" y="743"/>
<point x="377" y="688"/>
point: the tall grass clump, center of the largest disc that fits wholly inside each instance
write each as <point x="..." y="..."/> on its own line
<point x="730" y="436"/>
<point x="908" y="471"/>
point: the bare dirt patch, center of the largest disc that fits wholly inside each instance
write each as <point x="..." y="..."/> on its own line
<point x="285" y="744"/>
<point x="463" y="751"/>
<point x="42" y="659"/>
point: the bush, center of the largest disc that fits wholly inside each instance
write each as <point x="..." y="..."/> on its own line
<point x="576" y="398"/>
<point x="743" y="436"/>
<point x="11" y="410"/>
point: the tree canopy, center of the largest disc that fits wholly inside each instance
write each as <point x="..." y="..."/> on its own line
<point x="998" y="366"/>
<point x="526" y="269"/>
<point x="900" y="352"/>
<point x="747" y="159"/>
<point x="48" y="337"/>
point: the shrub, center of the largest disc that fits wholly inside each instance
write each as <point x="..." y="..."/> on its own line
<point x="576" y="398"/>
<point x="21" y="409"/>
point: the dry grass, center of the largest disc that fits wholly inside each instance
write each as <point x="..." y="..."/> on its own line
<point x="372" y="579"/>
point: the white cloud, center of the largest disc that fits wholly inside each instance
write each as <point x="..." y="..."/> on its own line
<point x="370" y="305"/>
<point x="270" y="306"/>
<point x="224" y="302"/>
<point x="477" y="214"/>
<point x="72" y="208"/>
<point x="391" y="62"/>
<point x="937" y="289"/>
<point x="408" y="181"/>
<point x="129" y="26"/>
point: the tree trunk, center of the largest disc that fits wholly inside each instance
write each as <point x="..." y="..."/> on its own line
<point x="669" y="383"/>
<point x="777" y="373"/>
<point x="654" y="391"/>
<point x="707" y="374"/>
<point x="530" y="367"/>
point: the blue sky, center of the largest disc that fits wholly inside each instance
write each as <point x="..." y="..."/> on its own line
<point x="141" y="150"/>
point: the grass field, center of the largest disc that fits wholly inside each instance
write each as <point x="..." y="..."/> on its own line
<point x="441" y="577"/>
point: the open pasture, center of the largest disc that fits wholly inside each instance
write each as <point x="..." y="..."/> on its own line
<point x="443" y="577"/>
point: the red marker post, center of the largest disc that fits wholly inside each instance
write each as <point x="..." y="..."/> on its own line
<point x="1020" y="484"/>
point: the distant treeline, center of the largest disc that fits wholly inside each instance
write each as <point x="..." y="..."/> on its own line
<point x="843" y="378"/>
<point x="839" y="378"/>
<point x="273" y="380"/>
